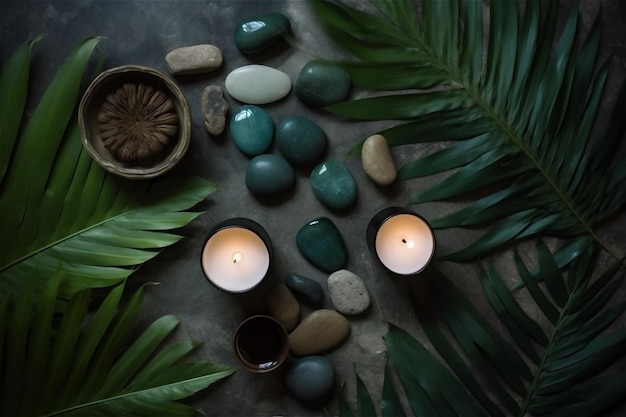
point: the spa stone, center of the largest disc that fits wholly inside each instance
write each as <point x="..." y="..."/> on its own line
<point x="301" y="140"/>
<point x="269" y="175"/>
<point x="377" y="161"/>
<point x="333" y="185"/>
<point x="257" y="33"/>
<point x="320" y="84"/>
<point x="252" y="129"/>
<point x="196" y="59"/>
<point x="348" y="292"/>
<point x="321" y="243"/>
<point x="214" y="109"/>
<point x="257" y="84"/>
<point x="310" y="378"/>
<point x="307" y="287"/>
<point x="319" y="332"/>
<point x="283" y="306"/>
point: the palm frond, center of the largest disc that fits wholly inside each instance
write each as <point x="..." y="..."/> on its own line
<point x="62" y="211"/>
<point x="93" y="365"/>
<point x="561" y="369"/>
<point x="520" y="118"/>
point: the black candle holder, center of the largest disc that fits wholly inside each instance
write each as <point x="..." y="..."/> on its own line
<point x="374" y="227"/>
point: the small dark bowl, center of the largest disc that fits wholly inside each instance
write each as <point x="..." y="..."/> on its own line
<point x="110" y="81"/>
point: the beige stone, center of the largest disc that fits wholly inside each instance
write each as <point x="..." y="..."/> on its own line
<point x="319" y="332"/>
<point x="348" y="292"/>
<point x="377" y="161"/>
<point x="284" y="306"/>
<point x="196" y="59"/>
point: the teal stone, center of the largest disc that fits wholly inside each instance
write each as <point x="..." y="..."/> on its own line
<point x="310" y="378"/>
<point x="333" y="185"/>
<point x="269" y="174"/>
<point x="252" y="129"/>
<point x="307" y="287"/>
<point x="321" y="243"/>
<point x="301" y="140"/>
<point x="320" y="84"/>
<point x="257" y="33"/>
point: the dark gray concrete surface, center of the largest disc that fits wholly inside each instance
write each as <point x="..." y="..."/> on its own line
<point x="142" y="32"/>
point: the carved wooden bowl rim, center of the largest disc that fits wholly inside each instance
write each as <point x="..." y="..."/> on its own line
<point x="108" y="82"/>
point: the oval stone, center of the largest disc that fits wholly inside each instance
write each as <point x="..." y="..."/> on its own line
<point x="321" y="83"/>
<point x="257" y="33"/>
<point x="252" y="129"/>
<point x="377" y="161"/>
<point x="310" y="378"/>
<point x="307" y="287"/>
<point x="283" y="306"/>
<point x="214" y="109"/>
<point x="348" y="292"/>
<point x="257" y="84"/>
<point x="319" y="332"/>
<point x="333" y="185"/>
<point x="321" y="243"/>
<point x="195" y="59"/>
<point x="269" y="175"/>
<point x="301" y="140"/>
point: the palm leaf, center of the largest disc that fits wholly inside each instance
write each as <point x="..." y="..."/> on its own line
<point x="519" y="120"/>
<point x="559" y="369"/>
<point x="62" y="211"/>
<point x="94" y="365"/>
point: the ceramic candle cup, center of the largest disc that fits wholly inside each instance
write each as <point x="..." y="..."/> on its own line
<point x="401" y="240"/>
<point x="261" y="344"/>
<point x="236" y="255"/>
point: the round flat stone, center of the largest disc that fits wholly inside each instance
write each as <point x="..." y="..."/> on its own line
<point x="333" y="185"/>
<point x="348" y="292"/>
<point x="321" y="243"/>
<point x="377" y="161"/>
<point x="257" y="33"/>
<point x="307" y="287"/>
<point x="268" y="175"/>
<point x="320" y="84"/>
<point x="301" y="140"/>
<point x="257" y="84"/>
<point x="319" y="332"/>
<point x="252" y="129"/>
<point x="283" y="306"/>
<point x="310" y="378"/>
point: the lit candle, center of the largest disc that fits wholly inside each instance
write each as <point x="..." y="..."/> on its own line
<point x="401" y="240"/>
<point x="236" y="255"/>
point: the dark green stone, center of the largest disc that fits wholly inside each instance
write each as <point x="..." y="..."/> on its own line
<point x="257" y="33"/>
<point x="252" y="129"/>
<point x="333" y="185"/>
<point x="320" y="84"/>
<point x="321" y="243"/>
<point x="307" y="287"/>
<point x="310" y="378"/>
<point x="269" y="174"/>
<point x="300" y="140"/>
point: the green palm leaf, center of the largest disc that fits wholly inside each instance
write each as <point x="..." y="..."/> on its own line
<point x="93" y="365"/>
<point x="559" y="369"/>
<point x="520" y="120"/>
<point x="62" y="211"/>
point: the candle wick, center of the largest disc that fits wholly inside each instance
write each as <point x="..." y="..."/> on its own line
<point x="403" y="240"/>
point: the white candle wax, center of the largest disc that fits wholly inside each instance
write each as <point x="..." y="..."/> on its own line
<point x="405" y="244"/>
<point x="235" y="259"/>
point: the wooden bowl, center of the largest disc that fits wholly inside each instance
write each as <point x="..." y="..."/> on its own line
<point x="107" y="83"/>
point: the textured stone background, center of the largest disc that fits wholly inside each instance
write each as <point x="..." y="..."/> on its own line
<point x="142" y="32"/>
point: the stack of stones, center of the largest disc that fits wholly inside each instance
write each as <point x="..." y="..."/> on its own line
<point x="301" y="143"/>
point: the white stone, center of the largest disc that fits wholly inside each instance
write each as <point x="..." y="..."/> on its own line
<point x="257" y="84"/>
<point x="348" y="292"/>
<point x="196" y="59"/>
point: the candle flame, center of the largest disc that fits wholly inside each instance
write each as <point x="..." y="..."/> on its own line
<point x="237" y="257"/>
<point x="409" y="243"/>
